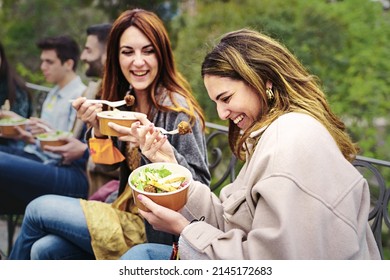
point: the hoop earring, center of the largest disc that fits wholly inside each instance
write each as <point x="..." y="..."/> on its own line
<point x="270" y="94"/>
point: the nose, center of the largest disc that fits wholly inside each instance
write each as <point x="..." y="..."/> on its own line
<point x="82" y="56"/>
<point x="223" y="113"/>
<point x="138" y="59"/>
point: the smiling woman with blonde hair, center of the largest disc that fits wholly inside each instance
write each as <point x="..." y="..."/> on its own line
<point x="297" y="196"/>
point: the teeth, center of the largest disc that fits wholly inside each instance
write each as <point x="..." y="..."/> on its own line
<point x="238" y="119"/>
<point x="139" y="73"/>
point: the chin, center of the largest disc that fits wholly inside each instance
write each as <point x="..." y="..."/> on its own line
<point x="140" y="87"/>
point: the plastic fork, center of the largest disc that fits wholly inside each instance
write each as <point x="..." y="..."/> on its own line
<point x="109" y="103"/>
<point x="164" y="131"/>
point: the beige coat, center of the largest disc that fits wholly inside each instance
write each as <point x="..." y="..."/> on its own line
<point x="296" y="198"/>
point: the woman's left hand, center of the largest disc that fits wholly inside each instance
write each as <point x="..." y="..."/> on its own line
<point x="162" y="218"/>
<point x="152" y="143"/>
<point x="127" y="132"/>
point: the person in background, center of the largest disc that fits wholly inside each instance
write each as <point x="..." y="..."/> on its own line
<point x="297" y="196"/>
<point x="59" y="59"/>
<point x="94" y="57"/>
<point x="140" y="63"/>
<point x="63" y="173"/>
<point x="14" y="95"/>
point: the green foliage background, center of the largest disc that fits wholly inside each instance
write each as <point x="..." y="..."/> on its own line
<point x="345" y="43"/>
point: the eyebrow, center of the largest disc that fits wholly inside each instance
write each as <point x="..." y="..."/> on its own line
<point x="47" y="60"/>
<point x="128" y="47"/>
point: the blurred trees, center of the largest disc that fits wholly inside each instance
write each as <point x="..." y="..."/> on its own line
<point x="345" y="43"/>
<point x="23" y="23"/>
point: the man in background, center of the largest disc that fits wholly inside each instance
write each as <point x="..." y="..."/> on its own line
<point x="53" y="170"/>
<point x="94" y="57"/>
<point x="59" y="59"/>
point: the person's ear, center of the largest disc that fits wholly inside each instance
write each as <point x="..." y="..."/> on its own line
<point x="69" y="64"/>
<point x="268" y="84"/>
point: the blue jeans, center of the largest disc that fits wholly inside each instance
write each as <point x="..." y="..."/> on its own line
<point x="24" y="177"/>
<point x="148" y="251"/>
<point x="54" y="227"/>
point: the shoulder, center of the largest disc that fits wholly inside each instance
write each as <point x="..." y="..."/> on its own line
<point x="167" y="101"/>
<point x="76" y="83"/>
<point x="297" y="138"/>
<point x="297" y="122"/>
<point x="74" y="88"/>
<point x="79" y="82"/>
<point x="294" y="128"/>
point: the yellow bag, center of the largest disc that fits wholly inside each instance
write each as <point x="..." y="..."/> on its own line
<point x="103" y="151"/>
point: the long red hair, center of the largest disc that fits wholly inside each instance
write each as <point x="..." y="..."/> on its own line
<point x="115" y="85"/>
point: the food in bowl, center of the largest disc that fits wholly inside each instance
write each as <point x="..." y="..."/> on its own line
<point x="164" y="183"/>
<point x="124" y="118"/>
<point x="51" y="138"/>
<point x="8" y="124"/>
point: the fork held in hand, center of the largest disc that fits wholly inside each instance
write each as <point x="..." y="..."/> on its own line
<point x="109" y="103"/>
<point x="164" y="131"/>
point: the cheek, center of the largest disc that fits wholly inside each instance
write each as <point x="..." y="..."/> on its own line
<point x="255" y="108"/>
<point x="153" y="63"/>
<point x="123" y="63"/>
<point x="95" y="56"/>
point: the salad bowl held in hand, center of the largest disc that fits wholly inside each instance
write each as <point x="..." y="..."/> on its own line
<point x="52" y="138"/>
<point x="8" y="124"/>
<point x="164" y="183"/>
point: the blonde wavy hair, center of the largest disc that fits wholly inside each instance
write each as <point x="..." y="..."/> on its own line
<point x="255" y="58"/>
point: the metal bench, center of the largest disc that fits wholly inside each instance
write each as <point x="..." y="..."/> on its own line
<point x="373" y="170"/>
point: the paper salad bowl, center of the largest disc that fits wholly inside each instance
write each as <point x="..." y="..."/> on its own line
<point x="52" y="138"/>
<point x="175" y="199"/>
<point x="124" y="118"/>
<point x="8" y="124"/>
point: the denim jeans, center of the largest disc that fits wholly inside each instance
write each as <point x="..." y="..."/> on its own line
<point x="54" y="227"/>
<point x="25" y="177"/>
<point x="148" y="251"/>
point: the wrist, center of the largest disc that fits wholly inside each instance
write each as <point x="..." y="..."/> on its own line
<point x="183" y="225"/>
<point x="95" y="133"/>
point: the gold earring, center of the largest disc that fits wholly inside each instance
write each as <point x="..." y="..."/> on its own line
<point x="270" y="93"/>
